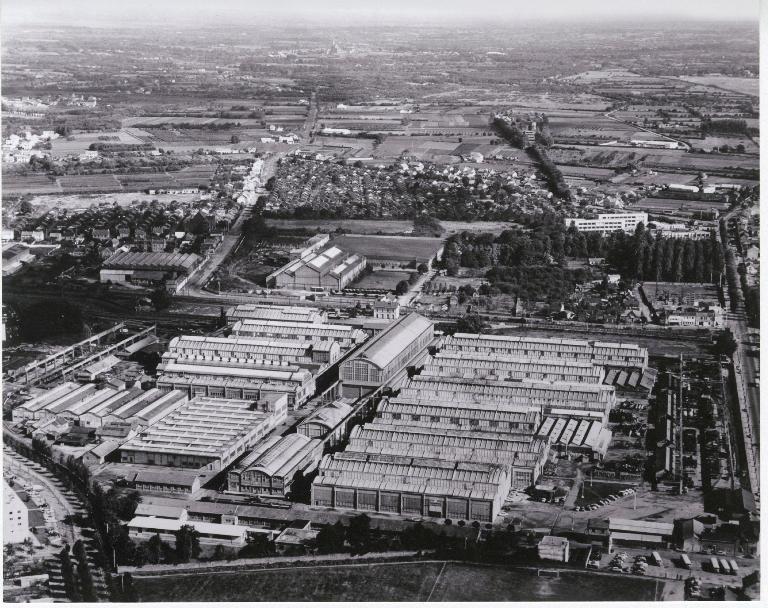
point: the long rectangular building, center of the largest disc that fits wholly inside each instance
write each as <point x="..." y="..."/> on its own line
<point x="301" y="314"/>
<point x="171" y="270"/>
<point x="346" y="335"/>
<point x="411" y="486"/>
<point x="604" y="353"/>
<point x="492" y="415"/>
<point x="381" y="357"/>
<point x="523" y="454"/>
<point x="575" y="400"/>
<point x="308" y="354"/>
<point x="491" y="366"/>
<point x="205" y="432"/>
<point x="192" y="375"/>
<point x="272" y="466"/>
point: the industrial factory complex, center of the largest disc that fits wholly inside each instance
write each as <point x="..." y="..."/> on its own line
<point x="403" y="420"/>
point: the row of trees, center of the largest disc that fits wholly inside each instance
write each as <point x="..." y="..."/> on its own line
<point x="724" y="125"/>
<point x="509" y="131"/>
<point x="553" y="175"/>
<point x="639" y="256"/>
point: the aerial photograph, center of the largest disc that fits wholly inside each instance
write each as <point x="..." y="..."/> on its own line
<point x="395" y="301"/>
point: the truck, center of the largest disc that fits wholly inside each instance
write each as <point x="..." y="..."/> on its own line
<point x="657" y="559"/>
<point x="714" y="564"/>
<point x="725" y="566"/>
<point x="734" y="566"/>
<point x="686" y="561"/>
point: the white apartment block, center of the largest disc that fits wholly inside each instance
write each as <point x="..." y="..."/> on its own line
<point x="609" y="222"/>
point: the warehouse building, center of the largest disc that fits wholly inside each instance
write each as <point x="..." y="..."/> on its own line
<point x="411" y="486"/>
<point x="492" y="415"/>
<point x="272" y="466"/>
<point x="593" y="401"/>
<point x="205" y="432"/>
<point x="146" y="408"/>
<point x="345" y="335"/>
<point x="489" y="366"/>
<point x="571" y="436"/>
<point x="312" y="355"/>
<point x="42" y="405"/>
<point x="168" y="481"/>
<point x="603" y="353"/>
<point x="632" y="532"/>
<point x="265" y="312"/>
<point x="144" y="528"/>
<point x="325" y="422"/>
<point x="332" y="268"/>
<point x="524" y="455"/>
<point x="213" y="378"/>
<point x="169" y="270"/>
<point x="229" y="387"/>
<point x="385" y="354"/>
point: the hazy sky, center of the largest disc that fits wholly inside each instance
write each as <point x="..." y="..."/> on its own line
<point x="127" y="12"/>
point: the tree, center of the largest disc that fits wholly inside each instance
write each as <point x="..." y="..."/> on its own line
<point x="422" y="268"/>
<point x="257" y="546"/>
<point x="330" y="539"/>
<point x="234" y="139"/>
<point x="221" y="553"/>
<point x="726" y="344"/>
<point x="68" y="574"/>
<point x="402" y="288"/>
<point x="187" y="544"/>
<point x="84" y="572"/>
<point x="359" y="533"/>
<point x="154" y="547"/>
<point x="25" y="207"/>
<point x="470" y="324"/>
<point x="160" y="298"/>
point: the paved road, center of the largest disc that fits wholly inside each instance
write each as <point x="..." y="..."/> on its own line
<point x="62" y="501"/>
<point x="232" y="237"/>
<point x="745" y="375"/>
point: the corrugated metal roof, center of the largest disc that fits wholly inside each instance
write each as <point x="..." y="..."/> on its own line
<point x="388" y="344"/>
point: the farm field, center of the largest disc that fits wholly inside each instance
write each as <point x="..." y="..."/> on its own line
<point x="674" y="204"/>
<point x="43" y="203"/>
<point x="29" y="184"/>
<point x="436" y="581"/>
<point x="80" y="142"/>
<point x="747" y="86"/>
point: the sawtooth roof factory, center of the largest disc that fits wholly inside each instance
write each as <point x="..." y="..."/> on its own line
<point x="479" y="418"/>
<point x="299" y="314"/>
<point x="332" y="268"/>
<point x="168" y="270"/>
<point x="205" y="433"/>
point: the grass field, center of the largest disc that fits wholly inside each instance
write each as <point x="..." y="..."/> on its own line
<point x="355" y="226"/>
<point x="747" y="86"/>
<point x="435" y="581"/>
<point x="381" y="279"/>
<point x="401" y="248"/>
<point x="383" y="582"/>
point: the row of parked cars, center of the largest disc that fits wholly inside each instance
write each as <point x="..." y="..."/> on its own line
<point x="606" y="501"/>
